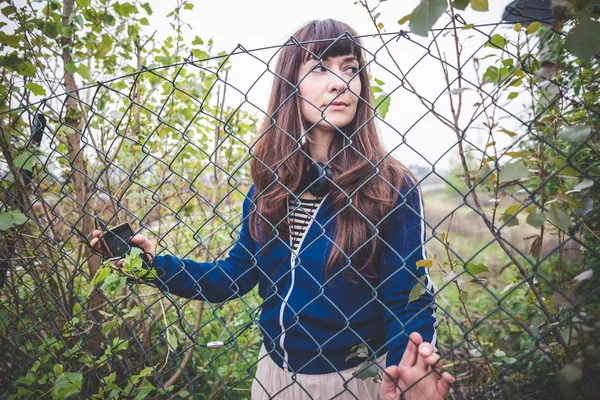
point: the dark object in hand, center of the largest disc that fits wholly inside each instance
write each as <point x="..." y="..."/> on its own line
<point x="117" y="243"/>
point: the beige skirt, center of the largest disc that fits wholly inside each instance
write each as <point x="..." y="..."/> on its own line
<point x="272" y="382"/>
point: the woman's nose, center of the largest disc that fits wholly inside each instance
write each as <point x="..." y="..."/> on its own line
<point x="336" y="82"/>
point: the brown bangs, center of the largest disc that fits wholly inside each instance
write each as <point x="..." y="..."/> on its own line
<point x="326" y="39"/>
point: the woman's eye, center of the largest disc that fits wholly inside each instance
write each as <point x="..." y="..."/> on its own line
<point x="353" y="70"/>
<point x="318" y="68"/>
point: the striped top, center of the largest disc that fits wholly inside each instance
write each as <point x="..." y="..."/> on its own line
<point x="299" y="218"/>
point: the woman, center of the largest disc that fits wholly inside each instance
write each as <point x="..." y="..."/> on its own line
<point x="334" y="257"/>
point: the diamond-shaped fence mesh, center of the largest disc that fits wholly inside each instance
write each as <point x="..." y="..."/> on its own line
<point x="488" y="249"/>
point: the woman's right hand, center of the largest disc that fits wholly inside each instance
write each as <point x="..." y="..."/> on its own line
<point x="139" y="240"/>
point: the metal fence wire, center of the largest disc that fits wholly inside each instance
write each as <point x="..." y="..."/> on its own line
<point x="511" y="222"/>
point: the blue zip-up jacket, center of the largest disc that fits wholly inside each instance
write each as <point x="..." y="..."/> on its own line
<point x="309" y="326"/>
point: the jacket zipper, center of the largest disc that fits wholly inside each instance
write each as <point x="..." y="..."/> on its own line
<point x="293" y="269"/>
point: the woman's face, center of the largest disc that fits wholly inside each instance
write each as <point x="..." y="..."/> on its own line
<point x="330" y="91"/>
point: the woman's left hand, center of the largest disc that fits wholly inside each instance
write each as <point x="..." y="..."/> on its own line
<point x="417" y="361"/>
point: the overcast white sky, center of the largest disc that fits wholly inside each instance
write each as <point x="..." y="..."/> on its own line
<point x="259" y="23"/>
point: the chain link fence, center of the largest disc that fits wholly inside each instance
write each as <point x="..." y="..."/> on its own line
<point x="510" y="209"/>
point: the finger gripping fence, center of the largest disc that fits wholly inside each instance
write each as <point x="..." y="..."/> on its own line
<point x="490" y="253"/>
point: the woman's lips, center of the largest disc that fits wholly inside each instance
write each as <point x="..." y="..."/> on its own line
<point x="336" y="105"/>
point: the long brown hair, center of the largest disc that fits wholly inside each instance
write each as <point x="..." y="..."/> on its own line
<point x="363" y="172"/>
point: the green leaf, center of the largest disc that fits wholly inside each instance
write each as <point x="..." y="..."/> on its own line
<point x="498" y="40"/>
<point x="107" y="326"/>
<point x="71" y="68"/>
<point x="463" y="296"/>
<point x="480" y="5"/>
<point x="36" y="89"/>
<point x="144" y="389"/>
<point x="114" y="283"/>
<point x="25" y="160"/>
<point x="513" y="172"/>
<point x="51" y="30"/>
<point x="559" y="217"/>
<point x="513" y="209"/>
<point x="425" y="264"/>
<point x="58" y="369"/>
<point x="585" y="206"/>
<point x="513" y="340"/>
<point x="67" y="385"/>
<point x="101" y="275"/>
<point x="188" y="6"/>
<point x="83" y="70"/>
<point x="536" y="218"/>
<point x="426" y="14"/>
<point x="83" y="3"/>
<point x="533" y="27"/>
<point x="575" y="133"/>
<point x="383" y="104"/>
<point x="417" y="290"/>
<point x="513" y="95"/>
<point x="144" y="21"/>
<point x="372" y="371"/>
<point x="509" y="133"/>
<point x="147" y="7"/>
<point x="477" y="268"/>
<point x="583" y="41"/>
<point x="172" y="338"/>
<point x="460" y="4"/>
<point x="8" y="11"/>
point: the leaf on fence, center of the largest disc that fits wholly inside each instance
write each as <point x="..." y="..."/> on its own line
<point x="582" y="207"/>
<point x="498" y="40"/>
<point x="475" y="353"/>
<point x="513" y="209"/>
<point x="513" y="341"/>
<point x="509" y="133"/>
<point x="425" y="264"/>
<point x="66" y="385"/>
<point x="383" y="104"/>
<point x="25" y="160"/>
<point x="144" y="389"/>
<point x="36" y="89"/>
<point x="11" y="219"/>
<point x="480" y="5"/>
<point x="584" y="184"/>
<point x="417" y="290"/>
<point x="575" y="133"/>
<point x="477" y="268"/>
<point x="583" y="41"/>
<point x="460" y="4"/>
<point x="559" y="217"/>
<point x="533" y="27"/>
<point x="536" y="247"/>
<point x="513" y="172"/>
<point x="101" y="275"/>
<point x="425" y="15"/>
<point x="372" y="371"/>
